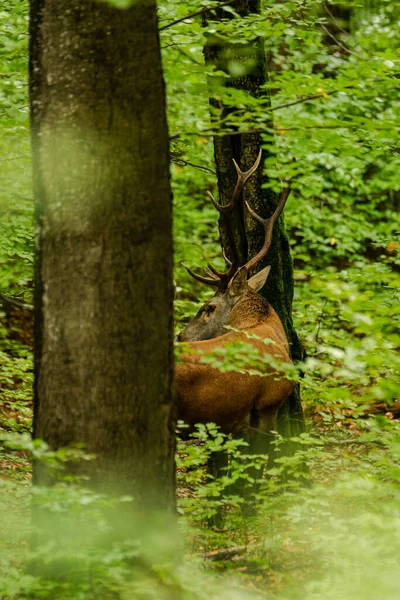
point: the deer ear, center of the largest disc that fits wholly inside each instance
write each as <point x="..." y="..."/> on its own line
<point x="238" y="282"/>
<point x="258" y="280"/>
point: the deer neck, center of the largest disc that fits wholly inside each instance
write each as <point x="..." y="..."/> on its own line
<point x="249" y="312"/>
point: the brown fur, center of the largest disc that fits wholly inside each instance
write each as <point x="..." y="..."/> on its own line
<point x="228" y="399"/>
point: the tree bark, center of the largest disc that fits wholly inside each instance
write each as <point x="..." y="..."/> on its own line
<point x="248" y="233"/>
<point x="103" y="299"/>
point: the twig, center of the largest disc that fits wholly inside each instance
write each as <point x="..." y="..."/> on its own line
<point x="338" y="43"/>
<point x="212" y="132"/>
<point x="334" y="18"/>
<point x="12" y="74"/>
<point x="353" y="441"/>
<point x="201" y="11"/>
<point x="182" y="162"/>
<point x="278" y="128"/>
<point x="307" y="98"/>
<point x="321" y="442"/>
<point x="14" y="158"/>
<point x="332" y="127"/>
<point x="279" y="107"/>
<point x="14" y="303"/>
<point x="193" y="60"/>
<point x="224" y="553"/>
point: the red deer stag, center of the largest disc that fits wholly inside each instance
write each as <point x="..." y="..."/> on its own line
<point x="235" y="400"/>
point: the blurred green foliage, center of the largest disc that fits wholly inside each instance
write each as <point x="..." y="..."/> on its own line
<point x="16" y="235"/>
<point x="335" y="134"/>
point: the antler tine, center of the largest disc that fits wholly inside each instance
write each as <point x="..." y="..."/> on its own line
<point x="213" y="282"/>
<point x="210" y="274"/>
<point x="268" y="225"/>
<point x="226" y="259"/>
<point x="243" y="176"/>
<point x="221" y="208"/>
<point x="215" y="271"/>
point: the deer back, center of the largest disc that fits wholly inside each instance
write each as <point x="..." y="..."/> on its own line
<point x="227" y="398"/>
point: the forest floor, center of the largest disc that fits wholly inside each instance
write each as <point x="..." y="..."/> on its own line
<point x="237" y="547"/>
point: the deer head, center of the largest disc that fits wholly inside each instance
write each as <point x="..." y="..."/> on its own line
<point x="234" y="289"/>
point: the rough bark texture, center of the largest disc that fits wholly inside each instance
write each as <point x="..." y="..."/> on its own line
<point x="104" y="328"/>
<point x="249" y="235"/>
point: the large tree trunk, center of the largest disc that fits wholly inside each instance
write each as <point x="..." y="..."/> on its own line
<point x="104" y="328"/>
<point x="248" y="233"/>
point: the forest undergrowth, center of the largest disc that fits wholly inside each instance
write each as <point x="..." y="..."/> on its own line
<point x="306" y="537"/>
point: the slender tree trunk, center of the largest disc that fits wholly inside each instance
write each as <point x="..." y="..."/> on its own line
<point x="249" y="235"/>
<point x="104" y="328"/>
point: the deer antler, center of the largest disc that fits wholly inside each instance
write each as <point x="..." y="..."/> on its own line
<point x="218" y="278"/>
<point x="268" y="225"/>
<point x="208" y="280"/>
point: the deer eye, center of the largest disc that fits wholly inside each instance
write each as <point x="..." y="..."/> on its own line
<point x="210" y="308"/>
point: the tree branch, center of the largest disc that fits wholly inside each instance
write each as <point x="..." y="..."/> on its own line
<point x="193" y="60"/>
<point x="223" y="553"/>
<point x="183" y="163"/>
<point x="342" y="46"/>
<point x="353" y="442"/>
<point x="307" y="98"/>
<point x="279" y="129"/>
<point x="197" y="13"/>
<point x="267" y="109"/>
<point x="8" y="301"/>
<point x="334" y="19"/>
